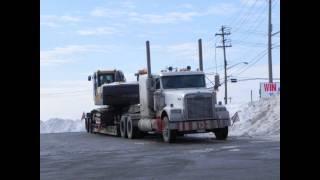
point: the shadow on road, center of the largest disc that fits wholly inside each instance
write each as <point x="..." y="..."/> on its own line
<point x="157" y="138"/>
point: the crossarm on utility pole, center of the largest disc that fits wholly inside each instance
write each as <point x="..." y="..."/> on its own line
<point x="275" y="33"/>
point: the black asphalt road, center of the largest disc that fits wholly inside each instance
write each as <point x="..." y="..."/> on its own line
<point x="90" y="156"/>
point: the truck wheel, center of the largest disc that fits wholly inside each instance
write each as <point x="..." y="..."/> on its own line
<point x="123" y="127"/>
<point x="168" y="135"/>
<point x="180" y="134"/>
<point x="221" y="133"/>
<point x="86" y="124"/>
<point x="132" y="129"/>
<point x="118" y="130"/>
<point x="89" y="125"/>
<point x="131" y="132"/>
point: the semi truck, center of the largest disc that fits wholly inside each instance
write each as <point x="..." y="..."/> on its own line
<point x="170" y="103"/>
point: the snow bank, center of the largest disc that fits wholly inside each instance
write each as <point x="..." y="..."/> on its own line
<point x="259" y="118"/>
<point x="61" y="125"/>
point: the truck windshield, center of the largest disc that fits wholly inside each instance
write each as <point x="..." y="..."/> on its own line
<point x="106" y="78"/>
<point x="183" y="81"/>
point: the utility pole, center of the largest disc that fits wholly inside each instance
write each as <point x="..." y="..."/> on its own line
<point x="200" y="55"/>
<point x="251" y="95"/>
<point x="230" y="99"/>
<point x="224" y="31"/>
<point x="269" y="44"/>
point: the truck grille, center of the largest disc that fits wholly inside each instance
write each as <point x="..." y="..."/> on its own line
<point x="199" y="106"/>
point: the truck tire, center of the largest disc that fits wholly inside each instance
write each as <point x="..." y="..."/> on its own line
<point x="86" y="124"/>
<point x="169" y="136"/>
<point x="118" y="131"/>
<point x="90" y="125"/>
<point x="180" y="134"/>
<point x="132" y="129"/>
<point x="221" y="133"/>
<point x="123" y="127"/>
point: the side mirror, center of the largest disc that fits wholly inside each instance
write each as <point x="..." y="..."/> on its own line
<point x="89" y="78"/>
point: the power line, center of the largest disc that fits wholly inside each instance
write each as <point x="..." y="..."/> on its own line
<point x="256" y="23"/>
<point x="253" y="63"/>
<point x="250" y="79"/>
<point x="243" y="19"/>
<point x="249" y="51"/>
<point x="233" y="19"/>
<point x="256" y="56"/>
<point x="253" y="29"/>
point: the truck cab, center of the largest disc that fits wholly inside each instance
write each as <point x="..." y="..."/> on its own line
<point x="182" y="104"/>
<point x="183" y="92"/>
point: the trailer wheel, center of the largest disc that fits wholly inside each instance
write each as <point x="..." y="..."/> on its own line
<point x="123" y="127"/>
<point x="168" y="135"/>
<point x="221" y="133"/>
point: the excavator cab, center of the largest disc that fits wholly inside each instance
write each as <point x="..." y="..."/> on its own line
<point x="100" y="78"/>
<point x="105" y="79"/>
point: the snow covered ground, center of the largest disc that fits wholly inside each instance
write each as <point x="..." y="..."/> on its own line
<point x="61" y="125"/>
<point x="259" y="119"/>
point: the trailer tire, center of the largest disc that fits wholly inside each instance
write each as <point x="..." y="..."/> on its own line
<point x="168" y="135"/>
<point x="221" y="133"/>
<point x="123" y="127"/>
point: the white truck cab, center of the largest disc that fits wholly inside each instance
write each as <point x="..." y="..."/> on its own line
<point x="180" y="103"/>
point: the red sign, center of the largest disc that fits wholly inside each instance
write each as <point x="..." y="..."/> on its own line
<point x="269" y="89"/>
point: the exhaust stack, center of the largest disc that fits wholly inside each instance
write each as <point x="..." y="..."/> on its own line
<point x="148" y="58"/>
<point x="200" y="55"/>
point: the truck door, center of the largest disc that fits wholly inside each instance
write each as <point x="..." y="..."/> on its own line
<point x="158" y="98"/>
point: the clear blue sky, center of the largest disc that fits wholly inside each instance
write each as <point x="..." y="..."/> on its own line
<point x="79" y="37"/>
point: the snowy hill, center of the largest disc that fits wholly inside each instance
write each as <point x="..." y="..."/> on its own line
<point x="261" y="118"/>
<point x="61" y="125"/>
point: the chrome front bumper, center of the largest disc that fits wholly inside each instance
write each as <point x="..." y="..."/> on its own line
<point x="199" y="124"/>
